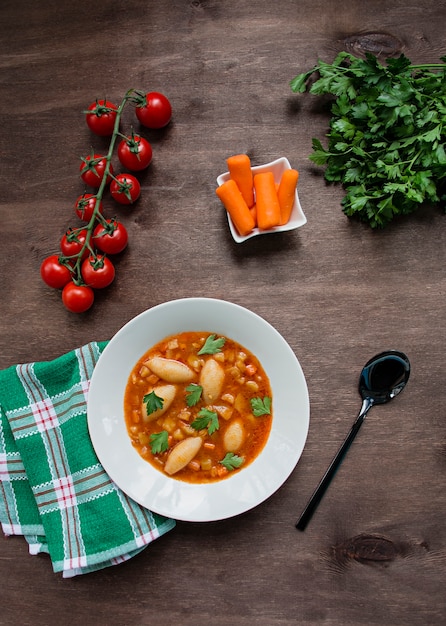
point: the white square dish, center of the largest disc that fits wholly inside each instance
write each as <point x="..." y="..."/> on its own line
<point x="297" y="218"/>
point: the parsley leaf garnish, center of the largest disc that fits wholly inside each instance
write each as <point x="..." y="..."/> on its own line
<point x="386" y="136"/>
<point x="261" y="407"/>
<point x="193" y="395"/>
<point x="212" y="345"/>
<point x="231" y="461"/>
<point x="206" y="419"/>
<point x="159" y="442"/>
<point x="152" y="402"/>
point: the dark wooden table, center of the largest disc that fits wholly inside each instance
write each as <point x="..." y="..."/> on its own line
<point x="375" y="551"/>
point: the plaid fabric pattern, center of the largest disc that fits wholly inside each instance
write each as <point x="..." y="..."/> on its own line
<point x="53" y="490"/>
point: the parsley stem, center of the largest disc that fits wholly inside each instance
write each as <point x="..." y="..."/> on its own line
<point x="425" y="66"/>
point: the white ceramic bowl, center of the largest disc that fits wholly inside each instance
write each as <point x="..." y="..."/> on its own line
<point x="166" y="495"/>
<point x="297" y="218"/>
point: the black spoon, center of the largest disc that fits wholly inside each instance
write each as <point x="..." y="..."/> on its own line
<point x="382" y="378"/>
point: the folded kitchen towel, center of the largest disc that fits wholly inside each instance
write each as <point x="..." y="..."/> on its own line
<point x="53" y="490"/>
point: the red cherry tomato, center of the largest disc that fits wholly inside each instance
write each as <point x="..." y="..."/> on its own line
<point x="154" y="110"/>
<point x="111" y="237"/>
<point x="98" y="272"/>
<point x="54" y="273"/>
<point x="101" y="117"/>
<point x="73" y="241"/>
<point x="92" y="170"/>
<point x="85" y="205"/>
<point x="135" y="153"/>
<point x="125" y="189"/>
<point x="77" y="298"/>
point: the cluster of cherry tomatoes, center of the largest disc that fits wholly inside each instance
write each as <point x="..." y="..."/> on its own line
<point x="83" y="263"/>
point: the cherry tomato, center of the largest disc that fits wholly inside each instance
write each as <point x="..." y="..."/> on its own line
<point x="135" y="153"/>
<point x="111" y="237"/>
<point x="125" y="189"/>
<point x="85" y="205"/>
<point x="101" y="120"/>
<point x="54" y="273"/>
<point x="73" y="241"/>
<point x="154" y="110"/>
<point x="98" y="271"/>
<point x="77" y="298"/>
<point x="92" y="170"/>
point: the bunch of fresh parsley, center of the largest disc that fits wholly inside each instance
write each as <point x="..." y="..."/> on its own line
<point x="387" y="133"/>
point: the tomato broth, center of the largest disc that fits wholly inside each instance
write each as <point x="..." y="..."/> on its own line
<point x="198" y="407"/>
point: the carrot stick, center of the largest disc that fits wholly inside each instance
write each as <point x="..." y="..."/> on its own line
<point x="239" y="167"/>
<point x="286" y="194"/>
<point x="268" y="207"/>
<point x="231" y="196"/>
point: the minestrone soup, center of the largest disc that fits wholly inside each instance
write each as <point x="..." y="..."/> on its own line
<point x="198" y="407"/>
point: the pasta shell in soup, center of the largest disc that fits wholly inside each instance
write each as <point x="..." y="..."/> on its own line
<point x="234" y="436"/>
<point x="167" y="394"/>
<point x="170" y="370"/>
<point x="212" y="377"/>
<point x="182" y="454"/>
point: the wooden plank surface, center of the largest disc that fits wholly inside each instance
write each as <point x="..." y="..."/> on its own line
<point x="374" y="552"/>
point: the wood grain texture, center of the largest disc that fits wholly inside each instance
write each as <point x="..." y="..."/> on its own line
<point x="375" y="551"/>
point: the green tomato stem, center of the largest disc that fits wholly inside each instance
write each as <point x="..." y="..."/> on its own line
<point x="96" y="215"/>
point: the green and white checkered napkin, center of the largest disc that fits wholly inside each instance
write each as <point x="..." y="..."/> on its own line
<point x="53" y="490"/>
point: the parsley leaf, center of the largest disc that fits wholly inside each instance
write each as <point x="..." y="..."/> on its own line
<point x="386" y="136"/>
<point x="152" y="402"/>
<point x="159" y="442"/>
<point x="193" y="395"/>
<point x="212" y="345"/>
<point x="261" y="407"/>
<point x="206" y="419"/>
<point x="231" y="461"/>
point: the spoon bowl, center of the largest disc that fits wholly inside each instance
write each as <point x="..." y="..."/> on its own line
<point x="382" y="378"/>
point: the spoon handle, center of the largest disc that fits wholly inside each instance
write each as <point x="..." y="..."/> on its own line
<point x="326" y="478"/>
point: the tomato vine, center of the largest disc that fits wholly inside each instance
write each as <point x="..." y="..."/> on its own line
<point x="82" y="263"/>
